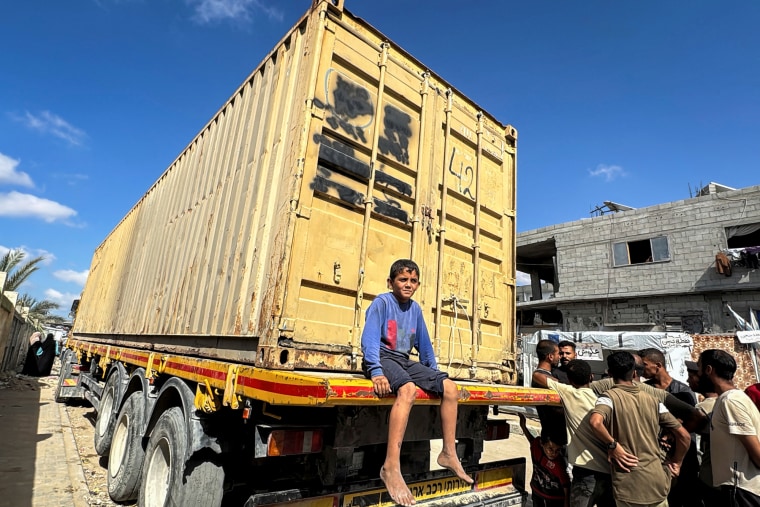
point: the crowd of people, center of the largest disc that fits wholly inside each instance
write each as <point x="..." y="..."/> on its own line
<point x="642" y="438"/>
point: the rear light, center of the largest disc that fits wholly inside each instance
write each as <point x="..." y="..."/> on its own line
<point x="497" y="430"/>
<point x="292" y="442"/>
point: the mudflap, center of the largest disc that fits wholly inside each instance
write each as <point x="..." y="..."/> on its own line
<point x="68" y="387"/>
<point x="497" y="484"/>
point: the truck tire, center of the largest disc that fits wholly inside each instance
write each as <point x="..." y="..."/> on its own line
<point x="127" y="455"/>
<point x="108" y="412"/>
<point x="168" y="478"/>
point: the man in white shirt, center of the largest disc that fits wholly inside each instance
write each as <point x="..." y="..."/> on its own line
<point x="734" y="443"/>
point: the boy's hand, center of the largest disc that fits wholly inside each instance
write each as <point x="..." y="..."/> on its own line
<point x="382" y="386"/>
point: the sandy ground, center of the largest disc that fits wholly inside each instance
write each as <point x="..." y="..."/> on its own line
<point x="514" y="447"/>
<point x="82" y="417"/>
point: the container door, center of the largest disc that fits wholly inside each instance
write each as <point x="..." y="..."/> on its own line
<point x="390" y="174"/>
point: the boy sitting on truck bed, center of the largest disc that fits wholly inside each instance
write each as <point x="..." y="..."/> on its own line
<point x="394" y="325"/>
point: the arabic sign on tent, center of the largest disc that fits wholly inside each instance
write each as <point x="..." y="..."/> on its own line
<point x="593" y="346"/>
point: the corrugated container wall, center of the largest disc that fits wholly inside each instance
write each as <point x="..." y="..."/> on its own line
<point x="267" y="238"/>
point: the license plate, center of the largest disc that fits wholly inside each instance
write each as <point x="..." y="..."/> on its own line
<point x="436" y="488"/>
<point x="509" y="502"/>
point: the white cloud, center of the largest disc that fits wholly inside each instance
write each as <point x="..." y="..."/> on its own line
<point x="69" y="275"/>
<point x="50" y="123"/>
<point x="9" y="175"/>
<point x="62" y="298"/>
<point x="608" y="172"/>
<point x="47" y="257"/>
<point x="30" y="253"/>
<point x="523" y="278"/>
<point x="209" y="11"/>
<point x="16" y="204"/>
<point x="70" y="179"/>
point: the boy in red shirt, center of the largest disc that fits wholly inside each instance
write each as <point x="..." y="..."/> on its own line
<point x="550" y="482"/>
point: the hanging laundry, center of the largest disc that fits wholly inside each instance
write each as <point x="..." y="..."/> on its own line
<point x="722" y="264"/>
<point x="751" y="257"/>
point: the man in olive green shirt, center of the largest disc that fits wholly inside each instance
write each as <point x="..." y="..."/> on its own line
<point x="628" y="420"/>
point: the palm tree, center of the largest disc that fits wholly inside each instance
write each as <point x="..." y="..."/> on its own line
<point x="12" y="261"/>
<point x="40" y="310"/>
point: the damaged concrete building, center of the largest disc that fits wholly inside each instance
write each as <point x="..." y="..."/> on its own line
<point x="669" y="267"/>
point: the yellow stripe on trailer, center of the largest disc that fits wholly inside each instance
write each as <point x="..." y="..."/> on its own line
<point x="301" y="388"/>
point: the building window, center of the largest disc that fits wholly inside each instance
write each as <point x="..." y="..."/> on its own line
<point x="743" y="236"/>
<point x="641" y="252"/>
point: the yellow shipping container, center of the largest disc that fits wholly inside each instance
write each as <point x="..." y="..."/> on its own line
<point x="267" y="238"/>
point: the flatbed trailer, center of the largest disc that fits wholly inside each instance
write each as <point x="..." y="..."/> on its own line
<point x="293" y="417"/>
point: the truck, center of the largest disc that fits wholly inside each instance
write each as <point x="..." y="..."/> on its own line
<point x="218" y="333"/>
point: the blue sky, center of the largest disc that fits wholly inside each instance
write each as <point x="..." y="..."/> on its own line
<point x="633" y="102"/>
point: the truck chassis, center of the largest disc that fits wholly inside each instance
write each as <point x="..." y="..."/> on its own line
<point x="180" y="430"/>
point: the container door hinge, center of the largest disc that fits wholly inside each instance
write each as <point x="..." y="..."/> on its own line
<point x="303" y="212"/>
<point x="317" y="110"/>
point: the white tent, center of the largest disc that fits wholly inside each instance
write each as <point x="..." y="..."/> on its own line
<point x="594" y="346"/>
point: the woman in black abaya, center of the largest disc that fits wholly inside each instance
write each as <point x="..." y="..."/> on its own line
<point x="40" y="356"/>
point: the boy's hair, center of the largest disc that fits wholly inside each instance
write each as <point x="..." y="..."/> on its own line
<point x="544" y="348"/>
<point x="402" y="265"/>
<point x="722" y="362"/>
<point x="620" y="365"/>
<point x="546" y="437"/>
<point x="578" y="372"/>
<point x="654" y="355"/>
<point x="566" y="343"/>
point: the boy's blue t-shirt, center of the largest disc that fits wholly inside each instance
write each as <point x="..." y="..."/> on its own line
<point x="397" y="327"/>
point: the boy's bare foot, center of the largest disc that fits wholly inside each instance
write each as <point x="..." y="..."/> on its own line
<point x="397" y="488"/>
<point x="452" y="463"/>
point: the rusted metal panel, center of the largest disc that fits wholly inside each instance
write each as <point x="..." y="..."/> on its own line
<point x="277" y="224"/>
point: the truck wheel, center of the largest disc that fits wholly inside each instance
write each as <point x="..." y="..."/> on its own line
<point x="108" y="412"/>
<point x="127" y="454"/>
<point x="168" y="478"/>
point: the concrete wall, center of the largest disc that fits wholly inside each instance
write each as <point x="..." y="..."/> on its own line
<point x="695" y="229"/>
<point x="14" y="330"/>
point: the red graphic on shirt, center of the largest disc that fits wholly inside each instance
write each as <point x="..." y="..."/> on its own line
<point x="392" y="334"/>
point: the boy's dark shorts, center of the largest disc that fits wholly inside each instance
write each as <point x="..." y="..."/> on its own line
<point x="400" y="370"/>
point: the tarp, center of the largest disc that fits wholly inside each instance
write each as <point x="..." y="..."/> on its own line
<point x="749" y="332"/>
<point x="742" y="324"/>
<point x="593" y="346"/>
